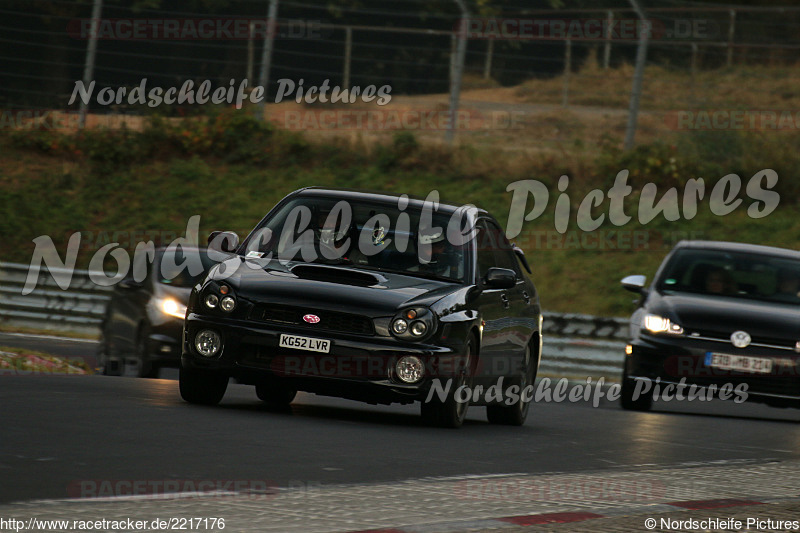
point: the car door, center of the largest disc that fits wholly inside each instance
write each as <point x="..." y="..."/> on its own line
<point x="495" y="307"/>
<point x="521" y="317"/>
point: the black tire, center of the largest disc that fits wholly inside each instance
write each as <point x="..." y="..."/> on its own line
<point x="145" y="366"/>
<point x="515" y="414"/>
<point x="108" y="364"/>
<point x="641" y="403"/>
<point x="202" y="387"/>
<point x="275" y="394"/>
<point x="450" y="413"/>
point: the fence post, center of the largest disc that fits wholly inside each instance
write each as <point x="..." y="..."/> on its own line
<point x="91" y="53"/>
<point x="266" y="57"/>
<point x="455" y="87"/>
<point x="487" y="66"/>
<point x="251" y="51"/>
<point x="567" y="71"/>
<point x="731" y="30"/>
<point x="607" y="47"/>
<point x="636" y="89"/>
<point x="348" y="51"/>
<point x="453" y="53"/>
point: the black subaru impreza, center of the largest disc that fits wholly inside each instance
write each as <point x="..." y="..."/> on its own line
<point x="372" y="297"/>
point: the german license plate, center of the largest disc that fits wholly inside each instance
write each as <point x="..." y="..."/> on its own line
<point x="310" y="344"/>
<point x="739" y="363"/>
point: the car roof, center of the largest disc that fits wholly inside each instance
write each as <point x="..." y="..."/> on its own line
<point x="379" y="197"/>
<point x="725" y="246"/>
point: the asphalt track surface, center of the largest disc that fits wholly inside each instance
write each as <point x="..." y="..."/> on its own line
<point x="56" y="431"/>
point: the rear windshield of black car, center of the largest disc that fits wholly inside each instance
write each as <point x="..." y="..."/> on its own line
<point x="732" y="274"/>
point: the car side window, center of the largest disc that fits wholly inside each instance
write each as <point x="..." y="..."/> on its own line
<point x="486" y="247"/>
<point x="504" y="254"/>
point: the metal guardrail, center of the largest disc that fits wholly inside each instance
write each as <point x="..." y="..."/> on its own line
<point x="79" y="309"/>
<point x="575" y="345"/>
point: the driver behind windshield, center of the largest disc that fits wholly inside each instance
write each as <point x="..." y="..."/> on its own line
<point x="446" y="260"/>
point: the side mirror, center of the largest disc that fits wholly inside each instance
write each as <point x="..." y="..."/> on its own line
<point x="634" y="283"/>
<point x="223" y="241"/>
<point x="521" y="255"/>
<point x="130" y="284"/>
<point x="500" y="278"/>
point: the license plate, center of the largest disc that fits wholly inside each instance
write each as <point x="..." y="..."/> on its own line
<point x="740" y="363"/>
<point x="296" y="342"/>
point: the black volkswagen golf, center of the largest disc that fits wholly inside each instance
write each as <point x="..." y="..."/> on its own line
<point x="722" y="318"/>
<point x="371" y="297"/>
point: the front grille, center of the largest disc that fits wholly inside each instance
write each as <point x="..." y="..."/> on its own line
<point x="282" y="315"/>
<point x="725" y="337"/>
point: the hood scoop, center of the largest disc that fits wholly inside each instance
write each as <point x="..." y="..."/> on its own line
<point x="333" y="274"/>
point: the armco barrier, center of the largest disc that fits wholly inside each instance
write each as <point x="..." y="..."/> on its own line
<point x="575" y="345"/>
<point x="79" y="309"/>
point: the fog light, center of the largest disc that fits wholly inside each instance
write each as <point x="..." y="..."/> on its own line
<point x="410" y="369"/>
<point x="212" y="301"/>
<point x="227" y="304"/>
<point x="208" y="343"/>
<point x="418" y="328"/>
<point x="400" y="326"/>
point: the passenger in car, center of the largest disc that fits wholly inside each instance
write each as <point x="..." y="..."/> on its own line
<point x="788" y="285"/>
<point x="719" y="281"/>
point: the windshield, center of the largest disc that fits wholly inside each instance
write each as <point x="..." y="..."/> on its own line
<point x="733" y="274"/>
<point x="180" y="267"/>
<point x="412" y="241"/>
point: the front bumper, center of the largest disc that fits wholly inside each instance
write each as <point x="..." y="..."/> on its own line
<point x="683" y="360"/>
<point x="356" y="367"/>
<point x="164" y="343"/>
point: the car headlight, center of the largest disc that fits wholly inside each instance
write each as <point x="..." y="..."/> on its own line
<point x="400" y="326"/>
<point x="413" y="324"/>
<point x="409" y="369"/>
<point x="227" y="304"/>
<point x="172" y="307"/>
<point x="219" y="296"/>
<point x="419" y="328"/>
<point x="211" y="301"/>
<point x="659" y="324"/>
<point x="208" y="343"/>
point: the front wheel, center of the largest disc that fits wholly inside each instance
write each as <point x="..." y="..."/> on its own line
<point x="451" y="413"/>
<point x="108" y="364"/>
<point x="146" y="367"/>
<point x="202" y="387"/>
<point x="516" y="413"/>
